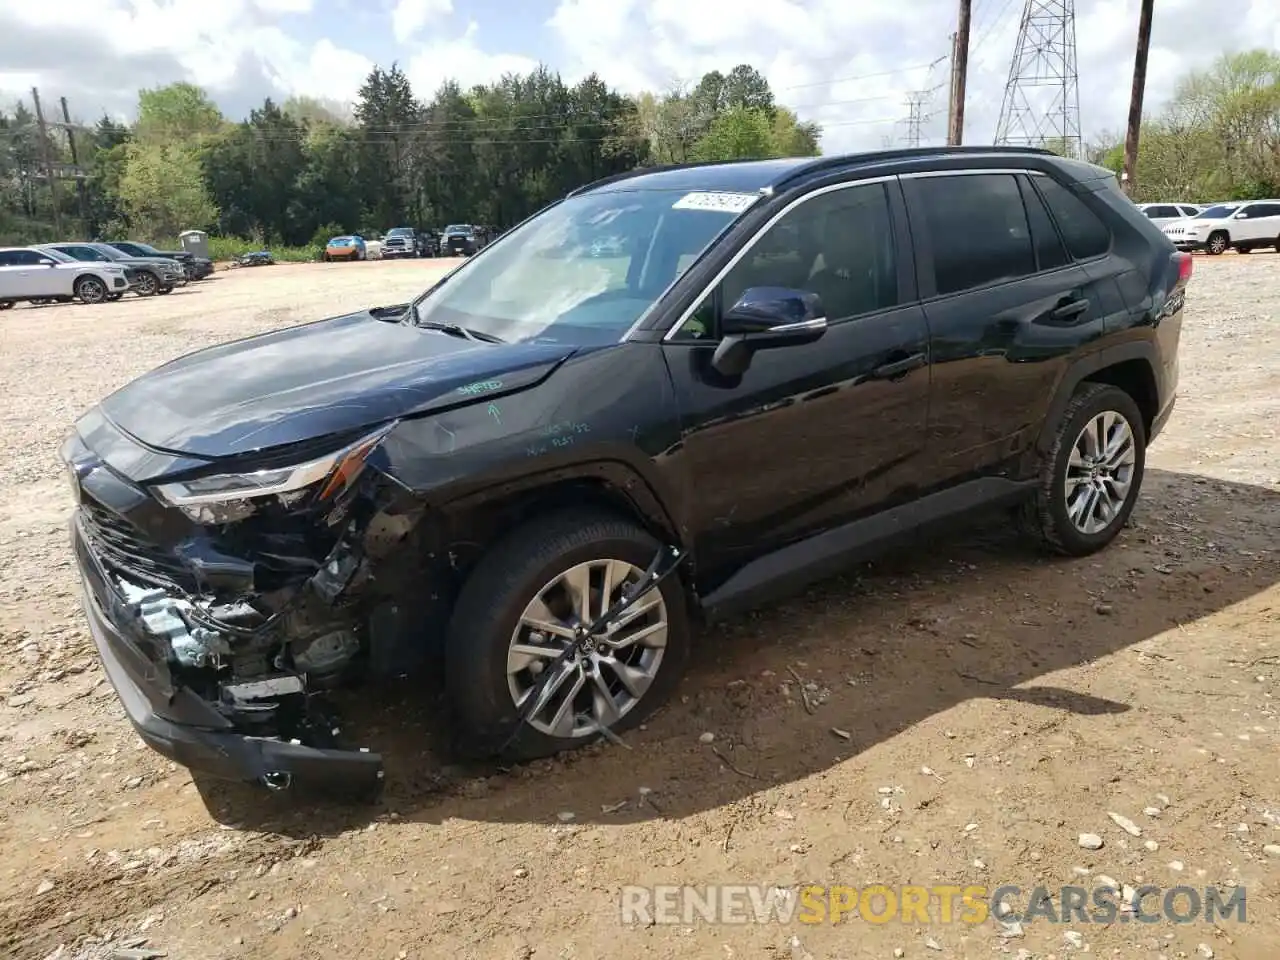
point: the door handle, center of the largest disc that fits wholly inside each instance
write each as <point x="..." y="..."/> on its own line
<point x="898" y="368"/>
<point x="1069" y="309"/>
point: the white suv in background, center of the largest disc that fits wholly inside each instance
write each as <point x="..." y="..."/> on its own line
<point x="1244" y="226"/>
<point x="1162" y="213"/>
<point x="27" y="274"/>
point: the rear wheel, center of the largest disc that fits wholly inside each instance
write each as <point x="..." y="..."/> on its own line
<point x="6" y="304"/>
<point x="114" y="296"/>
<point x="516" y="615"/>
<point x="163" y="290"/>
<point x="91" y="290"/>
<point x="1090" y="480"/>
<point x="1218" y="243"/>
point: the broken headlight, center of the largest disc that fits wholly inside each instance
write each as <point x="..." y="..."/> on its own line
<point x="228" y="497"/>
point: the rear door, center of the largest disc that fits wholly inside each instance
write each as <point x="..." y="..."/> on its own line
<point x="1261" y="223"/>
<point x="1006" y="306"/>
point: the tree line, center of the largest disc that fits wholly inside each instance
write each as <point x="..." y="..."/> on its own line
<point x="293" y="173"/>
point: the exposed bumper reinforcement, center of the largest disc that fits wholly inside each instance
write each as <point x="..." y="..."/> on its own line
<point x="220" y="753"/>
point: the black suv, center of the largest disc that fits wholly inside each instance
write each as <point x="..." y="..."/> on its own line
<point x="460" y="240"/>
<point x="552" y="464"/>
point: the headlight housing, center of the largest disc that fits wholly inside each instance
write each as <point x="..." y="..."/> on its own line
<point x="228" y="497"/>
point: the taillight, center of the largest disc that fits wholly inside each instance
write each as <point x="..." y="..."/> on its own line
<point x="1184" y="262"/>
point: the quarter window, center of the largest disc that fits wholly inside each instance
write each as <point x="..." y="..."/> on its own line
<point x="978" y="229"/>
<point x="1084" y="234"/>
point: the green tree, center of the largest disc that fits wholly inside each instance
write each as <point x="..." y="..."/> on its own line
<point x="163" y="191"/>
<point x="178" y="113"/>
<point x="737" y="134"/>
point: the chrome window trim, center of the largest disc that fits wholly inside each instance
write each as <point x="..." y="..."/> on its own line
<point x="820" y="192"/>
<point x="747" y="247"/>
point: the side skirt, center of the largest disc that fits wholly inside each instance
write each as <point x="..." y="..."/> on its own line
<point x="791" y="568"/>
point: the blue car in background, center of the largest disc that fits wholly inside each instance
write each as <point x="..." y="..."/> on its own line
<point x="349" y="247"/>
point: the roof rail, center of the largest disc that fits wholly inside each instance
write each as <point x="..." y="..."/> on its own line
<point x="642" y="171"/>
<point x="904" y="153"/>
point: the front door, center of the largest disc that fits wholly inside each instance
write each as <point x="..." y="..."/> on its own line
<point x="810" y="436"/>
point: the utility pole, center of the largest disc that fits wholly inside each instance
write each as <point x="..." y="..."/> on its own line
<point x="1129" y="177"/>
<point x="48" y="161"/>
<point x="75" y="160"/>
<point x="959" y="75"/>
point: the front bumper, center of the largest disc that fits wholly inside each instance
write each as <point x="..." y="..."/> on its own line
<point x="178" y="724"/>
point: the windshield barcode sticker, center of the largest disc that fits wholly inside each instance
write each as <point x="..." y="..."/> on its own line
<point x="723" y="202"/>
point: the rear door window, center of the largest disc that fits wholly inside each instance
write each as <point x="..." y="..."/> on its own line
<point x="977" y="228"/>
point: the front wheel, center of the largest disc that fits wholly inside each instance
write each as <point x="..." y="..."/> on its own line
<point x="1090" y="480"/>
<point x="91" y="290"/>
<point x="148" y="284"/>
<point x="161" y="291"/>
<point x="1218" y="243"/>
<point x="516" y="615"/>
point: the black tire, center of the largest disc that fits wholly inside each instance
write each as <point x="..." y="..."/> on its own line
<point x="113" y="297"/>
<point x="1044" y="517"/>
<point x="148" y="284"/>
<point x="90" y="290"/>
<point x="1243" y="249"/>
<point x="488" y="611"/>
<point x="6" y="304"/>
<point x="1217" y="243"/>
<point x="324" y="258"/>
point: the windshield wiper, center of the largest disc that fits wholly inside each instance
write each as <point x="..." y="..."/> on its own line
<point x="454" y="329"/>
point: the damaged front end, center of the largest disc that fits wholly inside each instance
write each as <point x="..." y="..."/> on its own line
<point x="224" y="606"/>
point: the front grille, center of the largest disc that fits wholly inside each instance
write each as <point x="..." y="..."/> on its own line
<point x="122" y="546"/>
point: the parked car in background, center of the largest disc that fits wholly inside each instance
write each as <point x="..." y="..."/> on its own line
<point x="195" y="268"/>
<point x="27" y="273"/>
<point x="1162" y="213"/>
<point x="460" y="240"/>
<point x="401" y="242"/>
<point x="348" y="247"/>
<point x="431" y="244"/>
<point x="147" y="275"/>
<point x="1243" y="226"/>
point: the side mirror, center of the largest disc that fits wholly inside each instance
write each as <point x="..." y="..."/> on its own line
<point x="765" y="318"/>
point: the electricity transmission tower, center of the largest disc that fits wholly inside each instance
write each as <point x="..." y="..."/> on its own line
<point x="1041" y="105"/>
<point x="915" y="116"/>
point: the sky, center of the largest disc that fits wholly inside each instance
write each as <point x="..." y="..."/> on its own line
<point x="849" y="65"/>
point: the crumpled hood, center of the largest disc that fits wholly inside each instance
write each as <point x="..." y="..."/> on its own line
<point x="306" y="382"/>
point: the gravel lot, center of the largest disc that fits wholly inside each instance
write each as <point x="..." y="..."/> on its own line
<point x="992" y="706"/>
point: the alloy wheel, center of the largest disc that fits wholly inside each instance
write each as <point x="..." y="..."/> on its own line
<point x="1100" y="472"/>
<point x="596" y="686"/>
<point x="1217" y="244"/>
<point x="146" y="284"/>
<point x="91" y="290"/>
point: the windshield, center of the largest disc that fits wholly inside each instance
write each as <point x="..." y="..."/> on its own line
<point x="584" y="270"/>
<point x="111" y="253"/>
<point x="400" y="232"/>
<point x="146" y="249"/>
<point x="458" y="228"/>
<point x="1220" y="212"/>
<point x="340" y="242"/>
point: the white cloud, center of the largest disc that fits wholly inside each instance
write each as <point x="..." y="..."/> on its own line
<point x="850" y="66"/>
<point x="462" y="60"/>
<point x="98" y="53"/>
<point x="410" y="16"/>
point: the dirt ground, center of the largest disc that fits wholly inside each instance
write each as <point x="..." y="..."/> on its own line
<point x="991" y="706"/>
